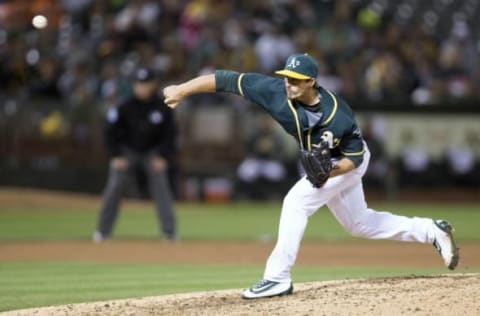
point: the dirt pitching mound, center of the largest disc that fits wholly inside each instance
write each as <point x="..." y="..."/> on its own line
<point x="455" y="294"/>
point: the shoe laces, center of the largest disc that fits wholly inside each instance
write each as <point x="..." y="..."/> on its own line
<point x="442" y="224"/>
<point x="261" y="283"/>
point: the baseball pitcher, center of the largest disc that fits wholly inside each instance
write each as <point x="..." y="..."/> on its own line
<point x="334" y="156"/>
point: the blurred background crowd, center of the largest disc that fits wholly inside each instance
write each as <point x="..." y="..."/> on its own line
<point x="64" y="62"/>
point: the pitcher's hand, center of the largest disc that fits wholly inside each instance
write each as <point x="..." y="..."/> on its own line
<point x="173" y="95"/>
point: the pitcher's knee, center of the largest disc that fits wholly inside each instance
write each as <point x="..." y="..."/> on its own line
<point x="293" y="203"/>
<point x="358" y="229"/>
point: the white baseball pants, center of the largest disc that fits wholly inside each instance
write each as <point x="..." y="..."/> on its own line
<point x="344" y="196"/>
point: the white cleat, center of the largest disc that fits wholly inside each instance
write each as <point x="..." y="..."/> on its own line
<point x="445" y="244"/>
<point x="267" y="288"/>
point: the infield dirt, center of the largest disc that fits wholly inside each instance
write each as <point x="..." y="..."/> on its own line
<point x="438" y="295"/>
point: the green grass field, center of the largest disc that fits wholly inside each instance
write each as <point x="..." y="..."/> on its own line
<point x="29" y="284"/>
<point x="239" y="221"/>
<point x="26" y="285"/>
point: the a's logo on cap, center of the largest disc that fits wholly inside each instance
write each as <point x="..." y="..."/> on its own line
<point x="300" y="67"/>
<point x="293" y="63"/>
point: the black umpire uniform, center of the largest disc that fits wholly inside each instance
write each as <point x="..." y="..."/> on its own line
<point x="139" y="132"/>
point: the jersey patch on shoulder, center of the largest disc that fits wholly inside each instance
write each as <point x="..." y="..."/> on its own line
<point x="357" y="132"/>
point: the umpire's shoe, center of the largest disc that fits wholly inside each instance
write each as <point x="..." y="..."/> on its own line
<point x="267" y="288"/>
<point x="445" y="243"/>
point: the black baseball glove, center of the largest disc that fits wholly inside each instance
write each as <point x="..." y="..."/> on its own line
<point x="317" y="164"/>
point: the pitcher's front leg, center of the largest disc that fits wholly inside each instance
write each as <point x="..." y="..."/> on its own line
<point x="296" y="209"/>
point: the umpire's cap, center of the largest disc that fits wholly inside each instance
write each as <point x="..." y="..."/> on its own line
<point x="300" y="66"/>
<point x="144" y="74"/>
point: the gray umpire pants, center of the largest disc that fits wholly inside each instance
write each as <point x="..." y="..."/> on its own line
<point x="159" y="190"/>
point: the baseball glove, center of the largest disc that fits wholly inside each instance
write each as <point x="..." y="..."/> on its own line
<point x="317" y="164"/>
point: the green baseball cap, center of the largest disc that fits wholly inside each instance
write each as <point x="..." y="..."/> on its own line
<point x="300" y="66"/>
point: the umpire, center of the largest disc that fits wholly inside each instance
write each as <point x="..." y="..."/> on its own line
<point x="140" y="132"/>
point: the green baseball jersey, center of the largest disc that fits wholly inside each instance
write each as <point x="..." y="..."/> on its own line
<point x="331" y="120"/>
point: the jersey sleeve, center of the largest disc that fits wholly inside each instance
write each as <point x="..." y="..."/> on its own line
<point x="352" y="147"/>
<point x="256" y="88"/>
